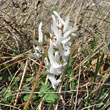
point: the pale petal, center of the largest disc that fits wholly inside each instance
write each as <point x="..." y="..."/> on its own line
<point x="57" y="57"/>
<point x="67" y="48"/>
<point x="66" y="24"/>
<point x="55" y="71"/>
<point x="47" y="64"/>
<point x="74" y="35"/>
<point x="61" y="50"/>
<point x="40" y="33"/>
<point x="54" y="26"/>
<point x="67" y="53"/>
<point x="59" y="37"/>
<point x="53" y="81"/>
<point x="64" y="64"/>
<point x="68" y="32"/>
<point x="65" y="41"/>
<point x="51" y="57"/>
<point x="60" y="19"/>
<point x="59" y="24"/>
<point x="38" y="50"/>
<point x="75" y="29"/>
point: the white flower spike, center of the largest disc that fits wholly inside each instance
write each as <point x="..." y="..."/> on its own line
<point x="61" y="39"/>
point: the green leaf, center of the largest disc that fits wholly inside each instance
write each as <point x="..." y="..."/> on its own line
<point x="98" y="65"/>
<point x="1" y="78"/>
<point x="29" y="79"/>
<point x="50" y="106"/>
<point x="43" y="54"/>
<point x="4" y="100"/>
<point x="17" y="78"/>
<point x="44" y="88"/>
<point x="51" y="97"/>
<point x="9" y="78"/>
<point x="25" y="98"/>
<point x="26" y="90"/>
<point x="98" y="106"/>
<point x="32" y="55"/>
<point x="47" y="34"/>
<point x="8" y="96"/>
<point x="3" y="90"/>
<point x="44" y="72"/>
<point x="35" y="42"/>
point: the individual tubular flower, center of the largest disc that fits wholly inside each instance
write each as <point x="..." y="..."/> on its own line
<point x="60" y="19"/>
<point x="39" y="49"/>
<point x="66" y="25"/>
<point x="54" y="81"/>
<point x="51" y="57"/>
<point x="40" y="33"/>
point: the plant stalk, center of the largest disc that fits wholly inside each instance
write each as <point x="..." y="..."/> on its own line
<point x="36" y="79"/>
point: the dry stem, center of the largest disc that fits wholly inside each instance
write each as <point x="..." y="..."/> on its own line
<point x="36" y="79"/>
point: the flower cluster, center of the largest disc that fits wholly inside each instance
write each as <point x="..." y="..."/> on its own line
<point x="59" y="48"/>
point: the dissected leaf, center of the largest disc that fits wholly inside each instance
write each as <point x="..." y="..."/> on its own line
<point x="3" y="90"/>
<point x="44" y="88"/>
<point x="8" y="96"/>
<point x="27" y="96"/>
<point x="49" y="97"/>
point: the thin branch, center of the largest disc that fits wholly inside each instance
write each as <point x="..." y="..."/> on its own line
<point x="36" y="79"/>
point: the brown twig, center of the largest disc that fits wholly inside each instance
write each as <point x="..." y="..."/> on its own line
<point x="36" y="79"/>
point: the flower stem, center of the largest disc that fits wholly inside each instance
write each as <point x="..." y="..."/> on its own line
<point x="34" y="85"/>
<point x="36" y="79"/>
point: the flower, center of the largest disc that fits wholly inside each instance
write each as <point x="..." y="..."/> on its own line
<point x="60" y="19"/>
<point x="39" y="49"/>
<point x="54" y="81"/>
<point x="66" y="25"/>
<point x="40" y="33"/>
<point x="59" y="48"/>
<point x="61" y="41"/>
<point x="51" y="57"/>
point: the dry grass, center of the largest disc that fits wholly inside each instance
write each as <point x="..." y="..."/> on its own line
<point x="19" y="20"/>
